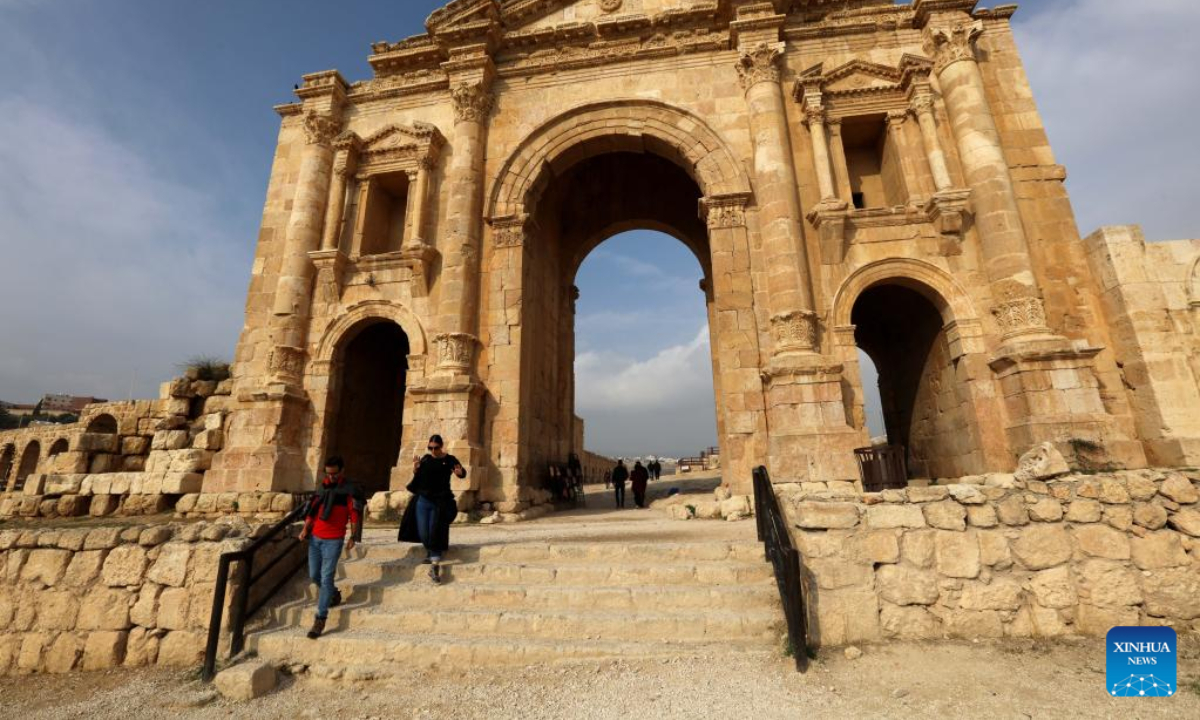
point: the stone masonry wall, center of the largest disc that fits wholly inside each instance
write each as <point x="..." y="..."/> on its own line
<point x="995" y="557"/>
<point x="106" y="597"/>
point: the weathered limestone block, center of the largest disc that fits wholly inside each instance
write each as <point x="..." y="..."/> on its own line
<point x="125" y="566"/>
<point x="1119" y="516"/>
<point x="1140" y="487"/>
<point x="993" y="550"/>
<point x="1000" y="594"/>
<point x="974" y="624"/>
<point x="1042" y="546"/>
<point x="63" y="655"/>
<point x="837" y="572"/>
<point x="957" y="553"/>
<point x="1173" y="593"/>
<point x="63" y="484"/>
<point x="145" y="610"/>
<point x="1054" y="588"/>
<point x="820" y="515"/>
<point x="848" y="616"/>
<point x="884" y="517"/>
<point x="180" y="483"/>
<point x="171" y="567"/>
<point x="45" y="566"/>
<point x="1105" y="583"/>
<point x="211" y="440"/>
<point x="875" y="547"/>
<point x="946" y="515"/>
<point x="1185" y="521"/>
<point x="102" y="539"/>
<point x="902" y="585"/>
<point x="931" y="493"/>
<point x="916" y="548"/>
<point x="104" y="505"/>
<point x="912" y="622"/>
<point x="1113" y="492"/>
<point x="1084" y="511"/>
<point x="141" y="648"/>
<point x="104" y="650"/>
<point x="190" y="461"/>
<point x="1101" y="541"/>
<point x="1157" y="550"/>
<point x="135" y="445"/>
<point x="173" y="607"/>
<point x="1178" y="488"/>
<point x="246" y="681"/>
<point x="98" y="443"/>
<point x="103" y="609"/>
<point x="1043" y="462"/>
<point x="967" y="494"/>
<point x="982" y="516"/>
<point x="1150" y="516"/>
<point x="169" y="440"/>
<point x="1012" y="511"/>
<point x="821" y="544"/>
<point x="57" y="610"/>
<point x="181" y="648"/>
<point x="1046" y="510"/>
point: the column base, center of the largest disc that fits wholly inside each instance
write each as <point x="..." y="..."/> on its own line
<point x="809" y="438"/>
<point x="1052" y="395"/>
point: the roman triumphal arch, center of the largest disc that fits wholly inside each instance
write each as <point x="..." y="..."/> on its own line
<point x="856" y="175"/>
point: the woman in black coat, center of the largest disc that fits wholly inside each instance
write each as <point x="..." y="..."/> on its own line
<point x="433" y="508"/>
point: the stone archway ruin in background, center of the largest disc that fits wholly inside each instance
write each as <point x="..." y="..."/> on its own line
<point x="30" y="456"/>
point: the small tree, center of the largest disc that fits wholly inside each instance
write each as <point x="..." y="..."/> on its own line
<point x="8" y="421"/>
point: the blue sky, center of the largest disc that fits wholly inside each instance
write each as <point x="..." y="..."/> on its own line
<point x="136" y="138"/>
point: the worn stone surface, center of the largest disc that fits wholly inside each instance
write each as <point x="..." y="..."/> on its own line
<point x="246" y="681"/>
<point x="1042" y="546"/>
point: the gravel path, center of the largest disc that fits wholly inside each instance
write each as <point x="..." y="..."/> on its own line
<point x="967" y="680"/>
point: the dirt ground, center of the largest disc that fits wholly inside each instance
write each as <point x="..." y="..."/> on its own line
<point x="944" y="680"/>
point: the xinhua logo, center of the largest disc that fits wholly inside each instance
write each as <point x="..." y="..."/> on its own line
<point x="1141" y="662"/>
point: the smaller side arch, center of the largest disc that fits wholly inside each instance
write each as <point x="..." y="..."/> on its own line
<point x="934" y="283"/>
<point x="31" y="456"/>
<point x="103" y="424"/>
<point x="1193" y="284"/>
<point x="372" y="310"/>
<point x="60" y="446"/>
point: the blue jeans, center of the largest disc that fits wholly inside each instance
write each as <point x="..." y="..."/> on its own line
<point x="428" y="519"/>
<point x="322" y="565"/>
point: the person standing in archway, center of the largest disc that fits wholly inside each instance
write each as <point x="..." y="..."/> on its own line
<point x="619" y="475"/>
<point x="638" y="479"/>
<point x="435" y="504"/>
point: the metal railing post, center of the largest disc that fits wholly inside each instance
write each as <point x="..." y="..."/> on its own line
<point x="214" y="622"/>
<point x="241" y="599"/>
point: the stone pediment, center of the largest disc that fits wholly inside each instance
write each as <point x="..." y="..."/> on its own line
<point x="859" y="75"/>
<point x="401" y="145"/>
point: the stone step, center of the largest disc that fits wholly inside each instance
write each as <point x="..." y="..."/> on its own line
<point x="581" y="552"/>
<point x="421" y="593"/>
<point x="750" y="627"/>
<point x="562" y="573"/>
<point x="379" y="654"/>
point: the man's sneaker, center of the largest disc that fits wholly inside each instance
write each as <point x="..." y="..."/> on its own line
<point x="318" y="627"/>
<point x="435" y="574"/>
<point x="336" y="599"/>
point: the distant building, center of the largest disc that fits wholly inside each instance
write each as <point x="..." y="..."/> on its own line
<point x="72" y="404"/>
<point x="17" y="409"/>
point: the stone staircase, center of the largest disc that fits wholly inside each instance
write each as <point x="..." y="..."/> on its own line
<point x="532" y="603"/>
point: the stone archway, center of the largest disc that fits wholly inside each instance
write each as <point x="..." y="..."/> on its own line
<point x="30" y="456"/>
<point x="366" y="401"/>
<point x="577" y="180"/>
<point x="7" y="453"/>
<point x="920" y="329"/>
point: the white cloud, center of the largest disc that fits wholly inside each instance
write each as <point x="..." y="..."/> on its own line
<point x="1116" y="85"/>
<point x="113" y="269"/>
<point x="612" y="381"/>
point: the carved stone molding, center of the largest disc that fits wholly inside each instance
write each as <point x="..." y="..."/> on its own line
<point x="510" y="232"/>
<point x="456" y="351"/>
<point x="320" y="129"/>
<point x="473" y="102"/>
<point x="287" y="363"/>
<point x="1021" y="315"/>
<point x="952" y="42"/>
<point x="897" y="117"/>
<point x="922" y="104"/>
<point x="796" y="330"/>
<point x="760" y="64"/>
<point x="814" y="115"/>
<point x="611" y="6"/>
<point x="724" y="211"/>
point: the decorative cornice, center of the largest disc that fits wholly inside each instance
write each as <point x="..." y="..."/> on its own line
<point x="724" y="211"/>
<point x="473" y="102"/>
<point x="952" y="42"/>
<point x="760" y="64"/>
<point x="508" y="232"/>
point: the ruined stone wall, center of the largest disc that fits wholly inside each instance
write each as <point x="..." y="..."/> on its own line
<point x="113" y="596"/>
<point x="995" y="557"/>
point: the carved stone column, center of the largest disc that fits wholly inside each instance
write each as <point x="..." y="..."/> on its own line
<point x="948" y="206"/>
<point x="922" y="107"/>
<point x="345" y="162"/>
<point x="303" y="235"/>
<point x="459" y="304"/>
<point x="829" y="216"/>
<point x="793" y="322"/>
<point x="950" y="38"/>
<point x="837" y="149"/>
<point x="814" y="117"/>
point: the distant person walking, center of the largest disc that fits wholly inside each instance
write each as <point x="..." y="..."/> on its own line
<point x="336" y="505"/>
<point x="638" y="479"/>
<point x="619" y="475"/>
<point x="655" y="469"/>
<point x="435" y="504"/>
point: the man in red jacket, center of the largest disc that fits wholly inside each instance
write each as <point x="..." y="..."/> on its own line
<point x="335" y="506"/>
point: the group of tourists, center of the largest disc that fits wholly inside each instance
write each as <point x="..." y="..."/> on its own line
<point x="333" y="521"/>
<point x="638" y="479"/>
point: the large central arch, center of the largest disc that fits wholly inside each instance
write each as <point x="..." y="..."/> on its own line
<point x="645" y="137"/>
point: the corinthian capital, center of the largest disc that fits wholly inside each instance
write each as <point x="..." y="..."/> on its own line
<point x="472" y="101"/>
<point x="320" y="129"/>
<point x="952" y="42"/>
<point x="796" y="330"/>
<point x="759" y="64"/>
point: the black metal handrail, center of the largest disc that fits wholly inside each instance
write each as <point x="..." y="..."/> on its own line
<point x="242" y="609"/>
<point x="773" y="532"/>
